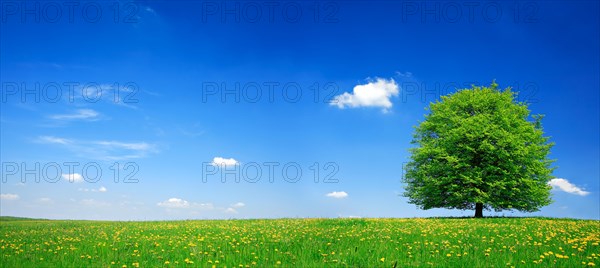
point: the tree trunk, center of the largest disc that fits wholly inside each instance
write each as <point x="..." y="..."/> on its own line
<point x="478" y="210"/>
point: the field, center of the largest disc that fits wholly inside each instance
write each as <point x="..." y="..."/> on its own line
<point x="488" y="242"/>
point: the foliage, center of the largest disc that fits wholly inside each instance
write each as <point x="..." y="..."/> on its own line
<point x="479" y="145"/>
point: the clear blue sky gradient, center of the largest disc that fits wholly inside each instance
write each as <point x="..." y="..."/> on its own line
<point x="173" y="62"/>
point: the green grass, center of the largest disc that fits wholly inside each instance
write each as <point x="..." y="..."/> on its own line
<point x="489" y="242"/>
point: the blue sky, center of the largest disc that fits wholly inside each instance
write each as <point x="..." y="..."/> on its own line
<point x="167" y="91"/>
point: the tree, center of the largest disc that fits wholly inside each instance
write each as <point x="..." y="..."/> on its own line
<point x="479" y="149"/>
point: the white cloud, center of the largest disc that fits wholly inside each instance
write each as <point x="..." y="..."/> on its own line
<point x="220" y="161"/>
<point x="180" y="203"/>
<point x="373" y="94"/>
<point x="9" y="196"/>
<point x="193" y="207"/>
<point x="55" y="140"/>
<point x="238" y="205"/>
<point x="75" y="177"/>
<point x="231" y="211"/>
<point x="102" y="189"/>
<point x="565" y="186"/>
<point x="81" y="114"/>
<point x="337" y="194"/>
<point x="174" y="203"/>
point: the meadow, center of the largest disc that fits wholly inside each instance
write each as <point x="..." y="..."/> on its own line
<point x="443" y="242"/>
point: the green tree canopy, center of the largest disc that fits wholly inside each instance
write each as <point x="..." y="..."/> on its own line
<point x="479" y="148"/>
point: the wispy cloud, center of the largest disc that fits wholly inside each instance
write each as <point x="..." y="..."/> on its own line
<point x="175" y="202"/>
<point x="115" y="150"/>
<point x="565" y="186"/>
<point x="125" y="95"/>
<point x="404" y="74"/>
<point x="238" y="205"/>
<point x="139" y="146"/>
<point x="45" y="200"/>
<point x="81" y="114"/>
<point x="178" y="204"/>
<point x="9" y="196"/>
<point x="194" y="130"/>
<point x="51" y="139"/>
<point x="103" y="150"/>
<point x="102" y="189"/>
<point x="373" y="94"/>
<point x="338" y="195"/>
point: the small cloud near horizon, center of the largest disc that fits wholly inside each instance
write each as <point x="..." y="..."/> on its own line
<point x="338" y="195"/>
